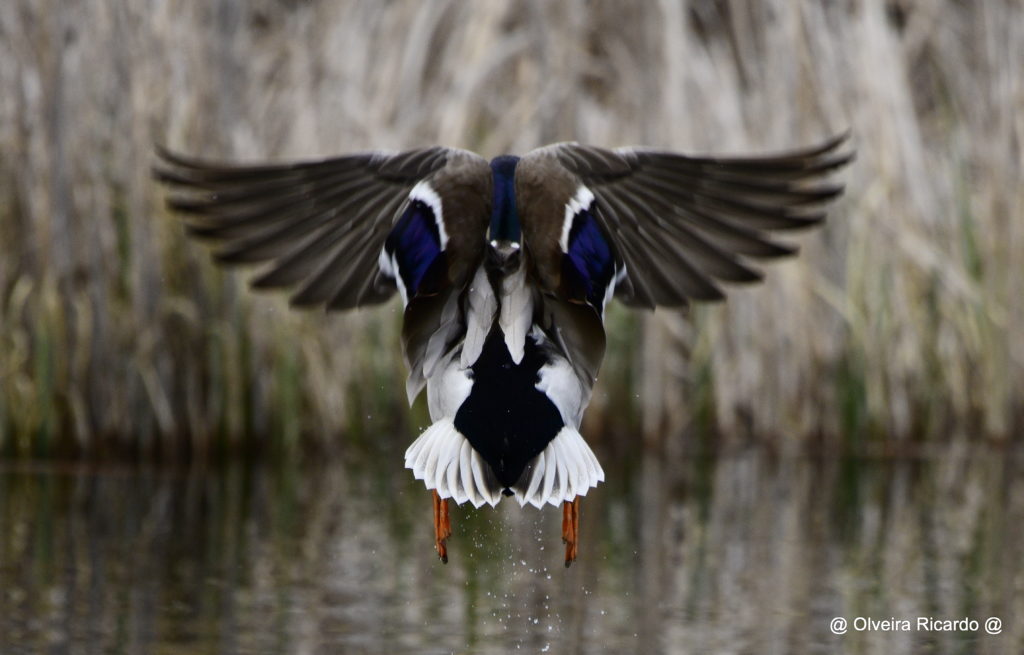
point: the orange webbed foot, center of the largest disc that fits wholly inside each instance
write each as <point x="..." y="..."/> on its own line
<point x="571" y="529"/>
<point x="442" y="526"/>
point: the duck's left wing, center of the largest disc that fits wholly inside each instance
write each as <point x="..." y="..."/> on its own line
<point x="661" y="228"/>
<point x="346" y="231"/>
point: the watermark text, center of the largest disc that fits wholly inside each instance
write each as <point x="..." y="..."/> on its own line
<point x="840" y="625"/>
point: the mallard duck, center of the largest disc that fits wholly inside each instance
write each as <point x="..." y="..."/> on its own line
<point x="505" y="269"/>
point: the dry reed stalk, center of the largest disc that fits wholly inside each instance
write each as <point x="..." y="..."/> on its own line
<point x="896" y="324"/>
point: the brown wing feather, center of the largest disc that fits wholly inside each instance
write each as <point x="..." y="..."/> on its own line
<point x="320" y="224"/>
<point x="680" y="222"/>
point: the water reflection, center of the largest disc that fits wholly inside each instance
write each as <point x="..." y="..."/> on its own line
<point x="743" y="554"/>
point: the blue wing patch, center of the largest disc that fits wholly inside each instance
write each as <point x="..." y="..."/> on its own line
<point x="590" y="260"/>
<point x="414" y="245"/>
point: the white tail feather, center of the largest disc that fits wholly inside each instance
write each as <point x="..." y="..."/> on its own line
<point x="566" y="468"/>
<point x="446" y="462"/>
<point x="466" y="471"/>
<point x="549" y="472"/>
<point x="561" y="488"/>
<point x="534" y="485"/>
<point x="479" y="478"/>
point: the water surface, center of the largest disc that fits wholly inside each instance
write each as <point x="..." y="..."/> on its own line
<point x="747" y="553"/>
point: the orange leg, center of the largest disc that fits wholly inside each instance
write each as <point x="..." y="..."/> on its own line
<point x="442" y="526"/>
<point x="446" y="522"/>
<point x="571" y="528"/>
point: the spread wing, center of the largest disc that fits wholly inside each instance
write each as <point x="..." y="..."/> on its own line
<point x="660" y="228"/>
<point x="324" y="226"/>
<point x="350" y="231"/>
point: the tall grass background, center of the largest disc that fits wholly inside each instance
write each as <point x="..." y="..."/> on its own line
<point x="898" y="326"/>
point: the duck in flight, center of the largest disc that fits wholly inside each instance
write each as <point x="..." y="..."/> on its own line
<point x="505" y="269"/>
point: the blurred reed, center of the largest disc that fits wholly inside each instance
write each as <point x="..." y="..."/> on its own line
<point x="896" y="326"/>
